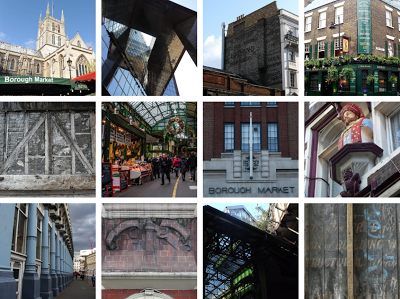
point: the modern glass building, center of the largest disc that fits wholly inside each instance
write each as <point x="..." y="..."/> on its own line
<point x="142" y="45"/>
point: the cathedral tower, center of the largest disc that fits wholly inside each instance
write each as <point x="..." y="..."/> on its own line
<point x="51" y="33"/>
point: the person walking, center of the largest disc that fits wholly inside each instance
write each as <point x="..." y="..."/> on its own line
<point x="165" y="168"/>
<point x="184" y="166"/>
<point x="193" y="165"/>
<point x="156" y="164"/>
<point x="177" y="165"/>
<point x="93" y="280"/>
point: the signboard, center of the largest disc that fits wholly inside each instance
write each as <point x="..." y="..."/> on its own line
<point x="33" y="80"/>
<point x="128" y="139"/>
<point x="157" y="147"/>
<point x="112" y="133"/>
<point x="120" y="137"/>
<point x="353" y="82"/>
<point x="364" y="26"/>
<point x="124" y="180"/>
<point x="376" y="81"/>
<point x="345" y="45"/>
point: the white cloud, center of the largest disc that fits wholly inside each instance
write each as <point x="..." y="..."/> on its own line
<point x="212" y="52"/>
<point x="30" y="43"/>
<point x="2" y="36"/>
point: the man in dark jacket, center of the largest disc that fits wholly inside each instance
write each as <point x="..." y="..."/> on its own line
<point x="156" y="169"/>
<point x="184" y="165"/>
<point x="165" y="168"/>
<point x="193" y="165"/>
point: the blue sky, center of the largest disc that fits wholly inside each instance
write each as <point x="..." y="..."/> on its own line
<point x="251" y="207"/>
<point x="216" y="12"/>
<point x="19" y="20"/>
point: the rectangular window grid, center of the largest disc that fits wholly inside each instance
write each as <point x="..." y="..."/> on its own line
<point x="229" y="104"/>
<point x="306" y="51"/>
<point x="229" y="138"/>
<point x="245" y="137"/>
<point x="389" y="18"/>
<point x="308" y="24"/>
<point x="339" y="15"/>
<point x="292" y="79"/>
<point x="250" y="104"/>
<point x="272" y="133"/>
<point x="322" y="19"/>
<point x="272" y="103"/>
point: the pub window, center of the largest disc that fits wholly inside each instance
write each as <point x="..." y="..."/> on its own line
<point x="396" y="75"/>
<point x="245" y="137"/>
<point x="306" y="51"/>
<point x="346" y="85"/>
<point x="382" y="81"/>
<point x="339" y="15"/>
<point x="321" y="49"/>
<point x="272" y="137"/>
<point x="292" y="79"/>
<point x="322" y="19"/>
<point x="364" y="80"/>
<point x="229" y="138"/>
<point x="308" y="24"/>
<point x="337" y="46"/>
<point x="314" y="81"/>
<point x="19" y="229"/>
<point x="388" y="18"/>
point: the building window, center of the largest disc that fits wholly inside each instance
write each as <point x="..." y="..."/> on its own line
<point x="19" y="229"/>
<point x="321" y="49"/>
<point x="59" y="41"/>
<point x="339" y="15"/>
<point x="292" y="79"/>
<point x="322" y="19"/>
<point x="229" y="104"/>
<point x="364" y="80"/>
<point x="79" y="43"/>
<point x="395" y="129"/>
<point x="337" y="47"/>
<point x="306" y="51"/>
<point x="382" y="81"/>
<point x="308" y="24"/>
<point x="12" y="66"/>
<point x="53" y="39"/>
<point x="346" y="85"/>
<point x="53" y="27"/>
<point x="314" y="81"/>
<point x="229" y="138"/>
<point x="398" y="21"/>
<point x="272" y="103"/>
<point x="38" y="68"/>
<point x="388" y="18"/>
<point x="245" y="137"/>
<point x="250" y="104"/>
<point x="272" y="135"/>
<point x="39" y="237"/>
<point x="291" y="56"/>
<point x="394" y="85"/>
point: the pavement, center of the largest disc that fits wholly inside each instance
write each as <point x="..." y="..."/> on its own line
<point x="177" y="188"/>
<point x="78" y="289"/>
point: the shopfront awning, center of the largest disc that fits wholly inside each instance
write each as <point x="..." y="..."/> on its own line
<point x="34" y="85"/>
<point x="87" y="77"/>
<point x="85" y="84"/>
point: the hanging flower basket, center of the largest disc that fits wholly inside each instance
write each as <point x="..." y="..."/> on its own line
<point x="180" y="123"/>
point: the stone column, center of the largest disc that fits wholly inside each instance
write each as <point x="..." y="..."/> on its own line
<point x="45" y="278"/>
<point x="53" y="274"/>
<point x="8" y="285"/>
<point x="31" y="281"/>
<point x="58" y="268"/>
<point x="62" y="264"/>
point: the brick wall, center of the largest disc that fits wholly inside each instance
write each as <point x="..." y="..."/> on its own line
<point x="144" y="249"/>
<point x="350" y="25"/>
<point x="123" y="294"/>
<point x="286" y="115"/>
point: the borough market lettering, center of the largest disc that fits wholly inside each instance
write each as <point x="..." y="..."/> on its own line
<point x="33" y="80"/>
<point x="237" y="190"/>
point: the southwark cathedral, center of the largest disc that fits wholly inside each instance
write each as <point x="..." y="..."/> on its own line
<point x="53" y="51"/>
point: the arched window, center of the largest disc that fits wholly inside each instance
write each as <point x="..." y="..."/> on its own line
<point x="59" y="41"/>
<point x="86" y="71"/>
<point x="81" y="65"/>
<point x="12" y="64"/>
<point x="53" y="39"/>
<point x="38" y="68"/>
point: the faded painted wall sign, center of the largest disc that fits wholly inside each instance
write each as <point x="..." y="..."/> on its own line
<point x="364" y="26"/>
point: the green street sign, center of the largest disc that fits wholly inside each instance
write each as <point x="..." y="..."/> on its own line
<point x="376" y="81"/>
<point x="33" y="80"/>
<point x="364" y="26"/>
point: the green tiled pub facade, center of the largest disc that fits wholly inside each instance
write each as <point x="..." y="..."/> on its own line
<point x="316" y="83"/>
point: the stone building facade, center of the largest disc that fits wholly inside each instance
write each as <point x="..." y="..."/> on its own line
<point x="149" y="248"/>
<point x="53" y="50"/>
<point x="322" y="132"/>
<point x="226" y="149"/>
<point x="257" y="47"/>
<point x="36" y="259"/>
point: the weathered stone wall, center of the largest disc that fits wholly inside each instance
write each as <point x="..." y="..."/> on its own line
<point x="375" y="250"/>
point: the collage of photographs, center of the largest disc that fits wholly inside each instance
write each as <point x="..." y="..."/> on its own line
<point x="115" y="199"/>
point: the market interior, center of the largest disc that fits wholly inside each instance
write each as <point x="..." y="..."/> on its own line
<point x="134" y="137"/>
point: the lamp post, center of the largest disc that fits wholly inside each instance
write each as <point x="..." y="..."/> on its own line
<point x="69" y="62"/>
<point x="333" y="26"/>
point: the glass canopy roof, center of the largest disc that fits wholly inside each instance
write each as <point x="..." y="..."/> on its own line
<point x="154" y="112"/>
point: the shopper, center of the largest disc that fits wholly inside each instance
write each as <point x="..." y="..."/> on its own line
<point x="93" y="280"/>
<point x="156" y="164"/>
<point x="165" y="168"/>
<point x="193" y="165"/>
<point x="177" y="165"/>
<point x="184" y="165"/>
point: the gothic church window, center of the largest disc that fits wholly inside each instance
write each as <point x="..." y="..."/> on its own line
<point x="81" y="66"/>
<point x="59" y="41"/>
<point x="52" y="27"/>
<point x="53" y="39"/>
<point x="12" y="66"/>
<point x="38" y="68"/>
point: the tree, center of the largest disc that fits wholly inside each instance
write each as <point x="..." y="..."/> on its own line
<point x="92" y="65"/>
<point x="263" y="219"/>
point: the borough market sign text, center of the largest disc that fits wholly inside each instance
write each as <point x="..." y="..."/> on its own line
<point x="237" y="190"/>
